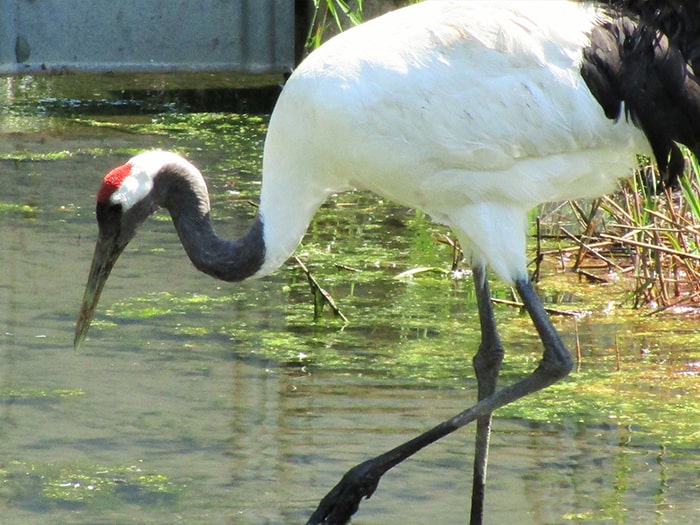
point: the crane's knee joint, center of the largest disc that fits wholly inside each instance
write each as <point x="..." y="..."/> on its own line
<point x="557" y="368"/>
<point x="488" y="358"/>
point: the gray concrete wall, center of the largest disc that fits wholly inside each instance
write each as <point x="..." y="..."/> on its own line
<point x="61" y="36"/>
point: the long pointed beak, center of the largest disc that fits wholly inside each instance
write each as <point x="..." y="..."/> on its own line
<point x="107" y="251"/>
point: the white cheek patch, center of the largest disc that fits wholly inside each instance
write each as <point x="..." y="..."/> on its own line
<point x="134" y="188"/>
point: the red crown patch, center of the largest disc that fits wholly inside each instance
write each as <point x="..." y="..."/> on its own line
<point x="112" y="181"/>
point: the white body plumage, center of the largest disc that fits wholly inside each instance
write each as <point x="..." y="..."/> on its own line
<point x="474" y="112"/>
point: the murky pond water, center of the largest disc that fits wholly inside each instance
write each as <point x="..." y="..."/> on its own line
<point x="195" y="401"/>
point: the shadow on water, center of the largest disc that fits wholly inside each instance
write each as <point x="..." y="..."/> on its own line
<point x="197" y="401"/>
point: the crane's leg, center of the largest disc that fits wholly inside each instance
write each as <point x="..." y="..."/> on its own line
<point x="360" y="482"/>
<point x="487" y="364"/>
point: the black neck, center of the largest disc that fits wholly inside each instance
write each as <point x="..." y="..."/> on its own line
<point x="182" y="191"/>
<point x="223" y="259"/>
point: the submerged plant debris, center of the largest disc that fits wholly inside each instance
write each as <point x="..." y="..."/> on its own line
<point x="93" y="486"/>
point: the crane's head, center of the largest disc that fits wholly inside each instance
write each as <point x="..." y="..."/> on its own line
<point x="124" y="201"/>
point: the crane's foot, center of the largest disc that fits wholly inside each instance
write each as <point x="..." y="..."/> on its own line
<point x="358" y="483"/>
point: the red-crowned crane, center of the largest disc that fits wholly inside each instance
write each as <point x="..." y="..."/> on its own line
<point x="473" y="112"/>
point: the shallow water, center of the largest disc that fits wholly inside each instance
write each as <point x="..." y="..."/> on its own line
<point x="195" y="401"/>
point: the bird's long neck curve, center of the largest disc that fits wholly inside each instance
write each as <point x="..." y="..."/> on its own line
<point x="283" y="217"/>
<point x="180" y="188"/>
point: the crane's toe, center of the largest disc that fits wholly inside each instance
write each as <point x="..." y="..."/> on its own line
<point x="338" y="506"/>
